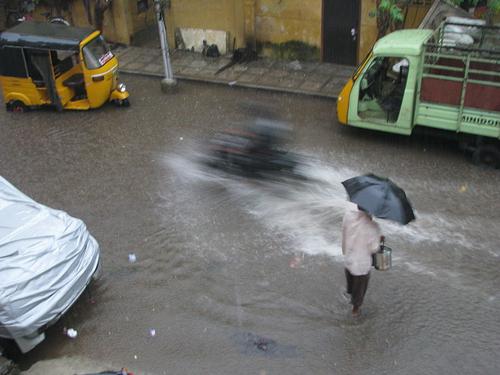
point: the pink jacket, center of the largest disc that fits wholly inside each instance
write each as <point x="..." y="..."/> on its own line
<point x="360" y="239"/>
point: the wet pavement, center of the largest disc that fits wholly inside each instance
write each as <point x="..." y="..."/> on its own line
<point x="240" y="276"/>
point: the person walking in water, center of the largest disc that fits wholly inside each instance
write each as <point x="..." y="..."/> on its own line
<point x="361" y="238"/>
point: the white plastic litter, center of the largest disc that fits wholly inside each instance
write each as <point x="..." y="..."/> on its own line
<point x="71" y="333"/>
<point x="295" y="65"/>
<point x="132" y="258"/>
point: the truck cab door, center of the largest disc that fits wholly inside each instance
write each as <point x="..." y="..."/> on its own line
<point x="382" y="97"/>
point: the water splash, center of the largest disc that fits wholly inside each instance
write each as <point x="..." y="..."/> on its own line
<point x="309" y="214"/>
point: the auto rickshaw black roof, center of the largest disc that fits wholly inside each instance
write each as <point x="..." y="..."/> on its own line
<point x="44" y="35"/>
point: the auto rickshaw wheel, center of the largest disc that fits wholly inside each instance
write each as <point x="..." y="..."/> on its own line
<point x="17" y="106"/>
<point x="122" y="103"/>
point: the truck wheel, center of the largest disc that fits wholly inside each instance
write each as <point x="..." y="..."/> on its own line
<point x="488" y="155"/>
<point x="17" y="106"/>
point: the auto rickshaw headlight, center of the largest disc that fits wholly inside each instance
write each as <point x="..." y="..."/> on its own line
<point x="121" y="87"/>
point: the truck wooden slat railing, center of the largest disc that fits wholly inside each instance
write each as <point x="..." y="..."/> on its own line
<point x="464" y="76"/>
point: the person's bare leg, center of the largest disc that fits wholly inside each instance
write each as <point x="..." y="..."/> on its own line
<point x="359" y="287"/>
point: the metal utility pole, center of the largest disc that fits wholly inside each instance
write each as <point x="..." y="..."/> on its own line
<point x="169" y="81"/>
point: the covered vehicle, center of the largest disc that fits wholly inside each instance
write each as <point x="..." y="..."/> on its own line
<point x="47" y="258"/>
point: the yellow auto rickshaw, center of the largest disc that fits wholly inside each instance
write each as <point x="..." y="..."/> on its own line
<point x="58" y="65"/>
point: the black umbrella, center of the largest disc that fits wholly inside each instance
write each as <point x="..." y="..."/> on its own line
<point x="380" y="197"/>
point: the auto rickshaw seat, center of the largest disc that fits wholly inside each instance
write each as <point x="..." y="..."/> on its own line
<point x="39" y="83"/>
<point x="76" y="80"/>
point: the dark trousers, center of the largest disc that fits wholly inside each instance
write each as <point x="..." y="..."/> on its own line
<point x="356" y="287"/>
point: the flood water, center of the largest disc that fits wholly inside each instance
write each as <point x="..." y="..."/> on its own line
<point x="244" y="276"/>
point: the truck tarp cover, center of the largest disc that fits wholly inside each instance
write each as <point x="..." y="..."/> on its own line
<point x="47" y="259"/>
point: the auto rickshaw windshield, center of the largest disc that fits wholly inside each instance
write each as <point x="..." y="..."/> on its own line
<point x="96" y="53"/>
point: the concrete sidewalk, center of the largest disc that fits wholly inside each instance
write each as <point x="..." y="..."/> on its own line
<point x="310" y="78"/>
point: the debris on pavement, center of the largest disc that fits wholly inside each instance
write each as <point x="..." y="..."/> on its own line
<point x="252" y="344"/>
<point x="295" y="262"/>
<point x="132" y="258"/>
<point x="152" y="332"/>
<point x="295" y="65"/>
<point x="70" y="332"/>
<point x="240" y="56"/>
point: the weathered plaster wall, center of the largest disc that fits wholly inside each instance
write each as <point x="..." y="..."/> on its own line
<point x="140" y="20"/>
<point x="77" y="16"/>
<point x="416" y="14"/>
<point x="120" y="22"/>
<point x="367" y="28"/>
<point x="277" y="25"/>
<point x="279" y="21"/>
<point x="226" y="15"/>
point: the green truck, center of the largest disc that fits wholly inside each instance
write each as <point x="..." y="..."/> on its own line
<point x="447" y="79"/>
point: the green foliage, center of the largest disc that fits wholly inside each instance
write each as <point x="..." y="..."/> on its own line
<point x="385" y="5"/>
<point x="396" y="14"/>
<point x="494" y="6"/>
<point x="391" y="14"/>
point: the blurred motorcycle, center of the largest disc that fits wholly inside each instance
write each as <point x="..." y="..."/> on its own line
<point x="254" y="151"/>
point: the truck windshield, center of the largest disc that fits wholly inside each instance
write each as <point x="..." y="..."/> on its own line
<point x="362" y="65"/>
<point x="96" y="53"/>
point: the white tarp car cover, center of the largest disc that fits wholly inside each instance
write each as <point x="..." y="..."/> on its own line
<point x="47" y="258"/>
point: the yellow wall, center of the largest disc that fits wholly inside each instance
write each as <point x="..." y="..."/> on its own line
<point x="276" y="21"/>
<point x="140" y="21"/>
<point x="226" y="15"/>
<point x="281" y="21"/>
<point x="416" y="14"/>
<point x="120" y="23"/>
<point x="266" y="21"/>
<point x="367" y="28"/>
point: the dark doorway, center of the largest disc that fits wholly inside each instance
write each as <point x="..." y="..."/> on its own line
<point x="340" y="31"/>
